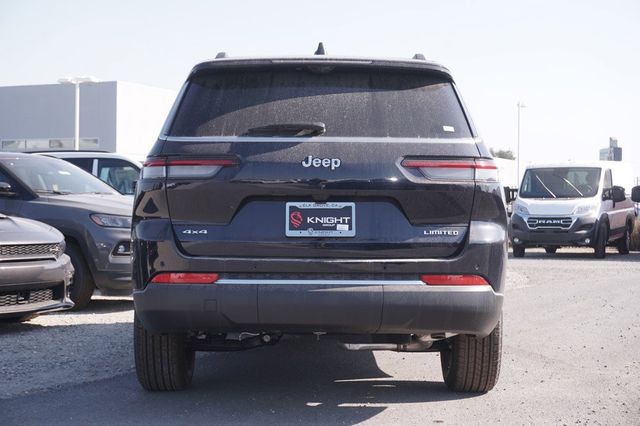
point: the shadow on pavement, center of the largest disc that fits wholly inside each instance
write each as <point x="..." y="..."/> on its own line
<point x="105" y="306"/>
<point x="297" y="381"/>
<point x="97" y="306"/>
<point x="7" y="326"/>
<point x="611" y="256"/>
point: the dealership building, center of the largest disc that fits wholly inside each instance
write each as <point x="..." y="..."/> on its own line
<point x="115" y="116"/>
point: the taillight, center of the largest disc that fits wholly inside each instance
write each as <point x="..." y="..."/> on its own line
<point x="484" y="170"/>
<point x="185" y="168"/>
<point x="153" y="169"/>
<point x="185" y="278"/>
<point x="453" y="280"/>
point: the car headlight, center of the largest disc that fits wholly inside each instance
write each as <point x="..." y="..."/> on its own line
<point x="111" y="221"/>
<point x="520" y="209"/>
<point x="585" y="209"/>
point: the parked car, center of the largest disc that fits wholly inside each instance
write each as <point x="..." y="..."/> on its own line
<point x="117" y="170"/>
<point x="572" y="204"/>
<point x="94" y="218"/>
<point x="348" y="197"/>
<point x="35" y="274"/>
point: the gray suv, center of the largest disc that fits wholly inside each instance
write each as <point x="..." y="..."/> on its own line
<point x="35" y="274"/>
<point x="94" y="218"/>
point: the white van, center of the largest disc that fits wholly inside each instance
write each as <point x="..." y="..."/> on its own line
<point x="574" y="204"/>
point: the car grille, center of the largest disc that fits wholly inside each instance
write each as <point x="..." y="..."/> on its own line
<point x="549" y="222"/>
<point x="30" y="251"/>
<point x="26" y="297"/>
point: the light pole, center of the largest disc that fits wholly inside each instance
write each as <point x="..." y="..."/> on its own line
<point x="77" y="81"/>
<point x="520" y="106"/>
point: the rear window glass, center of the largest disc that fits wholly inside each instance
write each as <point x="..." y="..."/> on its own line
<point x="348" y="102"/>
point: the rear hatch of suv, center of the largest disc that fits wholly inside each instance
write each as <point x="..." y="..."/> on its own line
<point x="341" y="160"/>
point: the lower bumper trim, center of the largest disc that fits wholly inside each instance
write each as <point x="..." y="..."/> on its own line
<point x="306" y="307"/>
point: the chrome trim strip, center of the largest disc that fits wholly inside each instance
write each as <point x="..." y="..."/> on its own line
<point x="319" y="282"/>
<point x="567" y="222"/>
<point x="323" y="139"/>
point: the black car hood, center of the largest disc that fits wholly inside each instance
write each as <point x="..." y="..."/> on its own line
<point x="115" y="204"/>
<point x="17" y="230"/>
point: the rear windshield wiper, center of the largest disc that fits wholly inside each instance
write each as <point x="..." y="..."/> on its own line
<point x="288" y="129"/>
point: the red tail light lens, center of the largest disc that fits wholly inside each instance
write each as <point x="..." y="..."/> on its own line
<point x="453" y="280"/>
<point x="186" y="168"/>
<point x="485" y="170"/>
<point x="185" y="278"/>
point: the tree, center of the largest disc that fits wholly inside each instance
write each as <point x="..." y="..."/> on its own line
<point x="503" y="153"/>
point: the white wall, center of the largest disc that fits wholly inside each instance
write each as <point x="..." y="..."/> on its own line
<point x="507" y="170"/>
<point x="142" y="111"/>
<point x="47" y="112"/>
<point x="125" y="117"/>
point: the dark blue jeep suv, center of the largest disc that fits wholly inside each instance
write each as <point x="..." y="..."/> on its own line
<point x="345" y="197"/>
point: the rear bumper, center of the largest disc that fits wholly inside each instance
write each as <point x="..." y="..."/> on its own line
<point x="301" y="295"/>
<point x="306" y="306"/>
<point x="582" y="228"/>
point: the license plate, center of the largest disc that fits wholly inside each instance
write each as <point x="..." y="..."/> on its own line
<point x="320" y="220"/>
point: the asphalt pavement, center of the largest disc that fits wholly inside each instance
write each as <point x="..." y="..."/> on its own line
<point x="571" y="355"/>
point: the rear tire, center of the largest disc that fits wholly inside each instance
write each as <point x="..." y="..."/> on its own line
<point x="600" y="249"/>
<point x="471" y="364"/>
<point x="518" y="251"/>
<point x="163" y="363"/>
<point x="82" y="286"/>
<point x="551" y="250"/>
<point x="624" y="244"/>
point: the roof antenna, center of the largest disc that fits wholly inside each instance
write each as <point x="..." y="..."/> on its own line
<point x="320" y="50"/>
<point x="221" y="55"/>
<point x="419" y="57"/>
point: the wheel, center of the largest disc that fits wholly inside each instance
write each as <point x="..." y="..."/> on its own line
<point x="163" y="363"/>
<point x="550" y="250"/>
<point x="518" y="251"/>
<point x="470" y="364"/>
<point x="623" y="244"/>
<point x="82" y="286"/>
<point x="600" y="247"/>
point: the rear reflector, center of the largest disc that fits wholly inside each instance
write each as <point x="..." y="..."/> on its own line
<point x="485" y="170"/>
<point x="185" y="278"/>
<point x="453" y="280"/>
<point x="186" y="168"/>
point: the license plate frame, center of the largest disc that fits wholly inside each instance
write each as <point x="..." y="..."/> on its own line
<point x="347" y="228"/>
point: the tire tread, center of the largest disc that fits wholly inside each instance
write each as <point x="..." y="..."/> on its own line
<point x="475" y="362"/>
<point x="83" y="284"/>
<point x="162" y="361"/>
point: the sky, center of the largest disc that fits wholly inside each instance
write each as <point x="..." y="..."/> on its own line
<point x="574" y="64"/>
